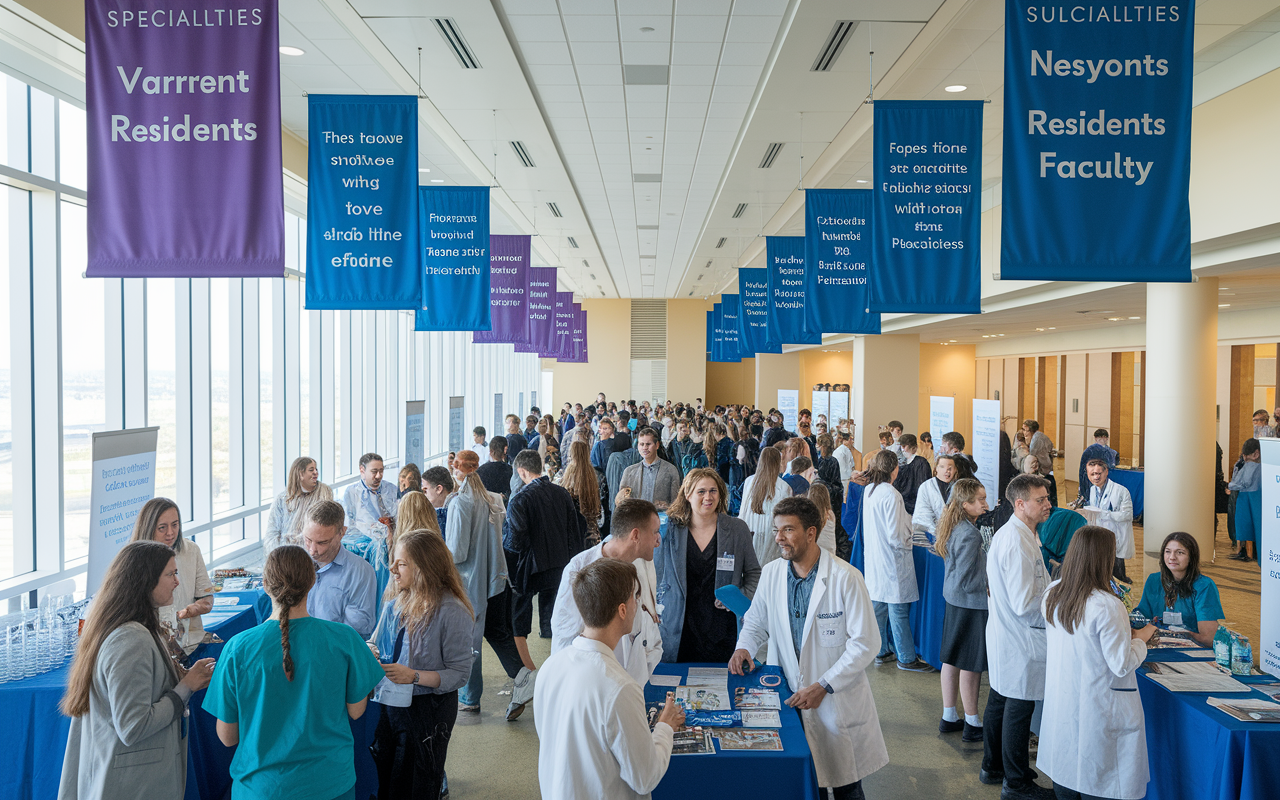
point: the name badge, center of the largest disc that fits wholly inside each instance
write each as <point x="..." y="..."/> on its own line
<point x="1173" y="618"/>
<point x="724" y="564"/>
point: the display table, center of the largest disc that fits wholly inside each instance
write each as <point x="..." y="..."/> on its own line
<point x="735" y="774"/>
<point x="1197" y="751"/>
<point x="928" y="612"/>
<point x="1134" y="480"/>
<point x="33" y="734"/>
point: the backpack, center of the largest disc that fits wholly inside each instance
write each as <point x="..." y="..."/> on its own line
<point x="693" y="460"/>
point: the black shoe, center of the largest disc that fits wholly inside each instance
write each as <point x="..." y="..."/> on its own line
<point x="1239" y="555"/>
<point x="919" y="665"/>
<point x="887" y="658"/>
<point x="971" y="733"/>
<point x="950" y="727"/>
<point x="1030" y="792"/>
<point x="991" y="778"/>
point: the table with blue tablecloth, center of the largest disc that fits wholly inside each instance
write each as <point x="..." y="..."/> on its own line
<point x="1197" y="751"/>
<point x="1134" y="480"/>
<point x="735" y="774"/>
<point x="33" y="734"/>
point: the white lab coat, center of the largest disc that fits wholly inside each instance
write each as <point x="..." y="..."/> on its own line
<point x="929" y="507"/>
<point x="593" y="728"/>
<point x="827" y="536"/>
<point x="1115" y="513"/>
<point x="1093" y="737"/>
<point x="1016" y="582"/>
<point x="761" y="524"/>
<point x="481" y="450"/>
<point x="639" y="652"/>
<point x="886" y="541"/>
<point x="840" y="641"/>
<point x="844" y="456"/>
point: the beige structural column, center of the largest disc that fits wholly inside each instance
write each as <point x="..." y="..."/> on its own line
<point x="886" y="385"/>
<point x="1182" y="352"/>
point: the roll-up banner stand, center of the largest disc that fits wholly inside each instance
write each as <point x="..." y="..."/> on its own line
<point x="508" y="292"/>
<point x="753" y="311"/>
<point x="415" y="417"/>
<point x="942" y="417"/>
<point x="789" y="407"/>
<point x="123" y="480"/>
<point x="454" y="239"/>
<point x="183" y="130"/>
<point x="1097" y="142"/>
<point x="362" y="202"/>
<point x="821" y="404"/>
<point x="457" y="406"/>
<point x="784" y="257"/>
<point x="927" y="206"/>
<point x="837" y="260"/>
<point x="839" y="408"/>
<point x="1268" y="650"/>
<point x="540" y="329"/>
<point x="986" y="447"/>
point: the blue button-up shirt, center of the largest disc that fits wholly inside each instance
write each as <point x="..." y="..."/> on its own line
<point x="648" y="479"/>
<point x="799" y="590"/>
<point x="345" y="592"/>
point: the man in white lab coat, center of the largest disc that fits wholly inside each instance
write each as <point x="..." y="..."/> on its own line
<point x="634" y="535"/>
<point x="1110" y="506"/>
<point x="1016" y="582"/>
<point x="594" y="734"/>
<point x="815" y="614"/>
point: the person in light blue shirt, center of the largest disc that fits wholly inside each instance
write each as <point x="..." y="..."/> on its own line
<point x="283" y="694"/>
<point x="1178" y="596"/>
<point x="370" y="503"/>
<point x="346" y="586"/>
<point x="1246" y="482"/>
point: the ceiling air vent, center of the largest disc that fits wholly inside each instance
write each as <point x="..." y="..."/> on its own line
<point x="585" y="263"/>
<point x="742" y="207"/>
<point x="646" y="177"/>
<point x="453" y="37"/>
<point x="720" y="243"/>
<point x="522" y="154"/>
<point x="770" y="155"/>
<point x="840" y="35"/>
<point x="647" y="227"/>
<point x="573" y="243"/>
<point x="555" y="210"/>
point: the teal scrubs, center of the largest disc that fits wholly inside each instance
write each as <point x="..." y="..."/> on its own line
<point x="1202" y="605"/>
<point x="295" y="736"/>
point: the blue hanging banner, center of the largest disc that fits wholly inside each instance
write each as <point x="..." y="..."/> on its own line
<point x="717" y="334"/>
<point x="453" y="222"/>
<point x="362" y="202"/>
<point x="753" y="312"/>
<point x="1097" y="142"/>
<point x="784" y="257"/>
<point x="711" y="328"/>
<point x="730" y="314"/>
<point x="927" y="207"/>
<point x="837" y="261"/>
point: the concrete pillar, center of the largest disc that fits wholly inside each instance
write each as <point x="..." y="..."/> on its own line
<point x="886" y="385"/>
<point x="1182" y="351"/>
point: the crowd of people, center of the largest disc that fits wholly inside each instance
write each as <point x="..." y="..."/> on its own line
<point x="623" y="522"/>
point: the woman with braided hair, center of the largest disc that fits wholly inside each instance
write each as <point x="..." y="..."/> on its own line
<point x="275" y="693"/>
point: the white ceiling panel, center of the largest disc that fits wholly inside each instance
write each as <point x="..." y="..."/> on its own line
<point x="704" y="29"/>
<point x="646" y="52"/>
<point x="591" y="53"/>
<point x="598" y="28"/>
<point x="537" y="28"/>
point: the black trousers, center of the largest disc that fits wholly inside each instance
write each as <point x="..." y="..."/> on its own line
<point x="1119" y="571"/>
<point x="1006" y="739"/>
<point x="498" y="633"/>
<point x="522" y="608"/>
<point x="410" y="745"/>
<point x="1063" y="793"/>
<point x="1053" y="489"/>
<point x="850" y="791"/>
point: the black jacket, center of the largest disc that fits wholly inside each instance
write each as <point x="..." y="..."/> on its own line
<point x="910" y="479"/>
<point x="496" y="477"/>
<point x="543" y="530"/>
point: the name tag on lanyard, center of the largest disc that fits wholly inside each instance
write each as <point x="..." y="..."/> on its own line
<point x="724" y="563"/>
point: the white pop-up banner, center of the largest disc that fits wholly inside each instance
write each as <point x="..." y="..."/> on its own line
<point x="1267" y="653"/>
<point x="789" y="407"/>
<point x="124" y="478"/>
<point x="942" y="417"/>
<point x="986" y="446"/>
<point x="414" y="424"/>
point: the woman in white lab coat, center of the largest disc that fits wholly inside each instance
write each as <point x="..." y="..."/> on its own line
<point x="1092" y="736"/>
<point x="889" y="564"/>
<point x="932" y="498"/>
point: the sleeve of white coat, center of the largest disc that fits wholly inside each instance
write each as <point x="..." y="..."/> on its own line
<point x="1020" y="579"/>
<point x="643" y="756"/>
<point x="457" y="529"/>
<point x="1122" y="652"/>
<point x="925" y="517"/>
<point x="902" y="525"/>
<point x="653" y="635"/>
<point x="864" y="637"/>
<point x="755" y="625"/>
<point x="566" y="621"/>
<point x="1122" y="514"/>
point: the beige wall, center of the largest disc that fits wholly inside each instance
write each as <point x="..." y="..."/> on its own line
<point x="822" y="366"/>
<point x="774" y="372"/>
<point x="948" y="371"/>
<point x="885" y="386"/>
<point x="609" y="370"/>
<point x="727" y="383"/>
<point x="687" y="368"/>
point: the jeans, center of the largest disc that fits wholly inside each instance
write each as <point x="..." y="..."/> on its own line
<point x="410" y="746"/>
<point x="1006" y="739"/>
<point x="898" y="617"/>
<point x="493" y="624"/>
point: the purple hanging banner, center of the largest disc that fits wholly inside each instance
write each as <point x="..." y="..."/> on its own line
<point x="184" y="140"/>
<point x="540" y="330"/>
<point x="563" y="350"/>
<point x="578" y="335"/>
<point x="508" y="291"/>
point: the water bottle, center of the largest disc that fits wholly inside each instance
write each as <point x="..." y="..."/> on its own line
<point x="30" y="658"/>
<point x="1222" y="646"/>
<point x="1241" y="655"/>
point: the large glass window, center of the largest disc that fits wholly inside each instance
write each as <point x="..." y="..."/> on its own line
<point x="220" y="382"/>
<point x="84" y="378"/>
<point x="73" y="163"/>
<point x="162" y="381"/>
<point x="266" y="389"/>
<point x="9" y="565"/>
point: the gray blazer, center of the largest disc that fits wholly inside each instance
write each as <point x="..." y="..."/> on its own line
<point x="131" y="742"/>
<point x="964" y="584"/>
<point x="665" y="488"/>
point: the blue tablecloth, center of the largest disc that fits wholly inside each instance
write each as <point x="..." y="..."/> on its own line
<point x="1199" y="752"/>
<point x="735" y="774"/>
<point x="33" y="734"/>
<point x="1133" y="480"/>
<point x="928" y="612"/>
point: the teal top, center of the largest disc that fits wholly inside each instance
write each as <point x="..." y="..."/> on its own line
<point x="295" y="736"/>
<point x="1202" y="605"/>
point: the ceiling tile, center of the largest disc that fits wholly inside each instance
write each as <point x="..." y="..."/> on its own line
<point x="545" y="52"/>
<point x="591" y="53"/>
<point x="745" y="53"/>
<point x="594" y="28"/>
<point x="692" y="76"/>
<point x="752" y="29"/>
<point x="601" y="75"/>
<point x="693" y="28"/>
<point x="536" y="28"/>
<point x="699" y="53"/>
<point x="597" y="110"/>
<point x="630" y="27"/>
<point x="646" y="52"/>
<point x="550" y="75"/>
<point x="646" y="94"/>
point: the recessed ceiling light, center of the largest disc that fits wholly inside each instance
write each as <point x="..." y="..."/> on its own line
<point x="1224" y="305"/>
<point x="952" y="340"/>
<point x="646" y="29"/>
<point x="424" y="169"/>
<point x="1039" y="329"/>
<point x="956" y="88"/>
<point x="286" y="50"/>
<point x="1224" y="288"/>
<point x="1113" y="319"/>
<point x="1053" y="329"/>
<point x="437" y="180"/>
<point x="860" y="181"/>
<point x="1135" y="317"/>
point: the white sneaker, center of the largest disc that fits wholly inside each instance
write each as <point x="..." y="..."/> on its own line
<point x="521" y="693"/>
